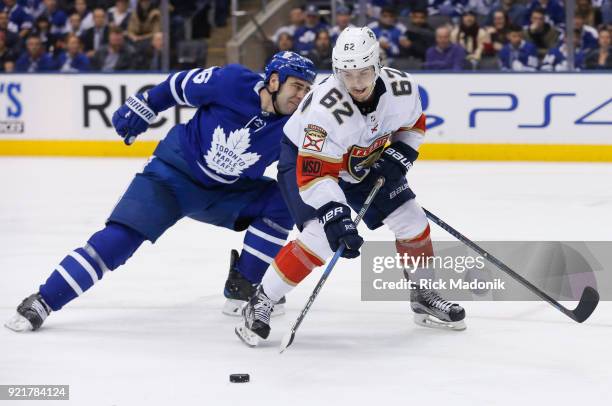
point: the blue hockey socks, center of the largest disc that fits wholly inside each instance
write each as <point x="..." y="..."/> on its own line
<point x="263" y="240"/>
<point x="106" y="250"/>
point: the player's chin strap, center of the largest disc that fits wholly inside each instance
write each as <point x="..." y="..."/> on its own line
<point x="274" y="95"/>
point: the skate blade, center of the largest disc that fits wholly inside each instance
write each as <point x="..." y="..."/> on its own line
<point x="19" y="324"/>
<point x="233" y="307"/>
<point x="247" y="336"/>
<point x="426" y="320"/>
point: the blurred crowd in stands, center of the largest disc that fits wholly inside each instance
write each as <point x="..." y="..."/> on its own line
<point x="118" y="35"/>
<point x="508" y="35"/>
<point x="100" y="35"/>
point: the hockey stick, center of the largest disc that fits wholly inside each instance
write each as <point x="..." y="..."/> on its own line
<point x="588" y="300"/>
<point x="290" y="336"/>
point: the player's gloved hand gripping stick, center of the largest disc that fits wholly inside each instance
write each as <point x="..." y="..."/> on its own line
<point x="133" y="117"/>
<point x="340" y="230"/>
<point x="290" y="336"/>
<point x="394" y="162"/>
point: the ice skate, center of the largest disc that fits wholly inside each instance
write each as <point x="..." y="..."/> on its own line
<point x="431" y="310"/>
<point x="31" y="314"/>
<point x="256" y="313"/>
<point x="238" y="290"/>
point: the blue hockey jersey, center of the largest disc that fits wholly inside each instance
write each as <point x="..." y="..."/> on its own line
<point x="523" y="58"/>
<point x="229" y="137"/>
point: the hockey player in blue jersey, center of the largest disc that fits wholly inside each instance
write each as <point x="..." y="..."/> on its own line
<point x="209" y="169"/>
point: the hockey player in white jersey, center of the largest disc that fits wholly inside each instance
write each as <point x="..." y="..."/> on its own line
<point x="361" y="123"/>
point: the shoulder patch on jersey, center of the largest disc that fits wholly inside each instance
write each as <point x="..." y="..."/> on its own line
<point x="314" y="139"/>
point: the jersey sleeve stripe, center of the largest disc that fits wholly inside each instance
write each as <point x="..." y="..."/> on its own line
<point x="173" y="89"/>
<point x="184" y="84"/>
<point x="321" y="157"/>
<point x="419" y="125"/>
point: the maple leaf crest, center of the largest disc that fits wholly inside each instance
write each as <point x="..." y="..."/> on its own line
<point x="227" y="154"/>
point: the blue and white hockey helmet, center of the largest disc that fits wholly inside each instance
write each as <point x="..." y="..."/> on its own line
<point x="289" y="63"/>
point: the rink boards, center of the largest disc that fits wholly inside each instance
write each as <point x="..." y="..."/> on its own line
<point x="484" y="116"/>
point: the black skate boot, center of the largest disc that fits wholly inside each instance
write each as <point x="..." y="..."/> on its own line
<point x="238" y="290"/>
<point x="431" y="310"/>
<point x="31" y="314"/>
<point x="256" y="314"/>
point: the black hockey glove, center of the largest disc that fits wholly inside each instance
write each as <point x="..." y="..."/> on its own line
<point x="340" y="229"/>
<point x="394" y="162"/>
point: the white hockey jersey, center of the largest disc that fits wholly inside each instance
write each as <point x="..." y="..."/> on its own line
<point x="335" y="140"/>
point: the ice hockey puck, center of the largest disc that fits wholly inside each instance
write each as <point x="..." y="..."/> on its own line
<point x="239" y="378"/>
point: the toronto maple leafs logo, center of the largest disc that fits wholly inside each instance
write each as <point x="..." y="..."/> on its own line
<point x="227" y="154"/>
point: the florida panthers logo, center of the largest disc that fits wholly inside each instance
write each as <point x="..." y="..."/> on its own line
<point x="361" y="158"/>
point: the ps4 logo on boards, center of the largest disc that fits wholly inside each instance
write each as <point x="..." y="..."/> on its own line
<point x="583" y="119"/>
<point x="10" y="108"/>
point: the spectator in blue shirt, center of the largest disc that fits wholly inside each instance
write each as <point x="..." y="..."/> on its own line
<point x="389" y="33"/>
<point x="71" y="59"/>
<point x="518" y="55"/>
<point x="444" y="55"/>
<point x="587" y="34"/>
<point x="33" y="7"/>
<point x="304" y="36"/>
<point x="35" y="58"/>
<point x="556" y="58"/>
<point x="554" y="12"/>
<point x="20" y="22"/>
<point x="56" y="16"/>
<point x="87" y="21"/>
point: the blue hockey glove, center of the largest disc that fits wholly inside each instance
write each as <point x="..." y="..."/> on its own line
<point x="394" y="162"/>
<point x="340" y="229"/>
<point x="133" y="118"/>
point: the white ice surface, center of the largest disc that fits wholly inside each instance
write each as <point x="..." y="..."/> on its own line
<point x="152" y="332"/>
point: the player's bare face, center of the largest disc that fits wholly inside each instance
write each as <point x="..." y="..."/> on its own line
<point x="358" y="82"/>
<point x="291" y="94"/>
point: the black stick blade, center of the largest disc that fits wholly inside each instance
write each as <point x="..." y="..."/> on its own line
<point x="586" y="306"/>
